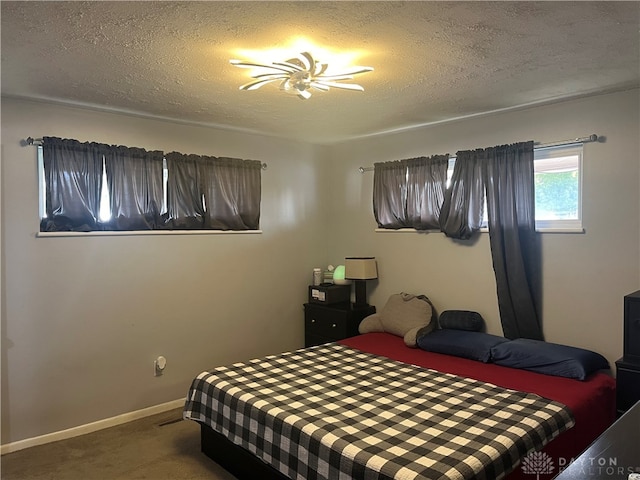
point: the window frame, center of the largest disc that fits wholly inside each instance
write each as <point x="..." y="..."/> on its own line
<point x="557" y="151"/>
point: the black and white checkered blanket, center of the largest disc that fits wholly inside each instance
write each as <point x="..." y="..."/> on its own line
<point x="333" y="412"/>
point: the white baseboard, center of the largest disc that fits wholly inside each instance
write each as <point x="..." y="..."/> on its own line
<point x="90" y="427"/>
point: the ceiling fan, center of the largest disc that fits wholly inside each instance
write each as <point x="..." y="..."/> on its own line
<point x="300" y="74"/>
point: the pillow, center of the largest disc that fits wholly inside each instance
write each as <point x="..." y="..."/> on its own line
<point x="403" y="315"/>
<point x="461" y="320"/>
<point x="548" y="358"/>
<point x="461" y="343"/>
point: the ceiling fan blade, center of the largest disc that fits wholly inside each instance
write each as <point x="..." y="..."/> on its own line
<point x="292" y="66"/>
<point x="241" y="64"/>
<point x="346" y="86"/>
<point x="322" y="69"/>
<point x="304" y="94"/>
<point x="310" y="62"/>
<point x="334" y="77"/>
<point x="257" y="84"/>
<point x="357" y="70"/>
<point x="285" y="85"/>
<point x="319" y="86"/>
<point x="271" y="75"/>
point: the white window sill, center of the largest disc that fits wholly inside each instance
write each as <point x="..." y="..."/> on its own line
<point x="137" y="233"/>
<point x="483" y="230"/>
<point x="560" y="230"/>
<point x="404" y="230"/>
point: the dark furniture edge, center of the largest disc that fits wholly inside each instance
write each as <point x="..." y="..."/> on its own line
<point x="236" y="460"/>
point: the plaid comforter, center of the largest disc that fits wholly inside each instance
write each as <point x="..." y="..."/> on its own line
<point x="333" y="412"/>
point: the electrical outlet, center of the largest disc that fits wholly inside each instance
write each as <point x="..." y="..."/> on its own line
<point x="158" y="366"/>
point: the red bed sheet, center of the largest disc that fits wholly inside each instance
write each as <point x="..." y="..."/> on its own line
<point x="591" y="401"/>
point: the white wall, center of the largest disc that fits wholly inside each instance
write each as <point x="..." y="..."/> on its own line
<point x="84" y="318"/>
<point x="585" y="276"/>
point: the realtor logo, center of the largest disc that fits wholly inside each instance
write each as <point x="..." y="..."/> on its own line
<point x="537" y="463"/>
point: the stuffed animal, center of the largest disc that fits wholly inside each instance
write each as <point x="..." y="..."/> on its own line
<point x="403" y="315"/>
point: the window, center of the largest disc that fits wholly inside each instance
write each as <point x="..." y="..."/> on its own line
<point x="94" y="187"/>
<point x="558" y="187"/>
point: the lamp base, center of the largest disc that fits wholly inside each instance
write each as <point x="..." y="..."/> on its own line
<point x="361" y="294"/>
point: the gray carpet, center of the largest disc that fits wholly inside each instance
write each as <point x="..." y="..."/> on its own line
<point x="156" y="448"/>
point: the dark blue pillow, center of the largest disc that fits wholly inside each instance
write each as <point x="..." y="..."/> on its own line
<point x="461" y="320"/>
<point x="548" y="358"/>
<point x="460" y="343"/>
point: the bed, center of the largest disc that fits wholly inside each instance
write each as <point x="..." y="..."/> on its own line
<point x="369" y="407"/>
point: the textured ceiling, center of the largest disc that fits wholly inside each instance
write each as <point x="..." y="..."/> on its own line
<point x="433" y="60"/>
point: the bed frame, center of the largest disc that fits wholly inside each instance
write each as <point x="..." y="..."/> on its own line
<point x="235" y="459"/>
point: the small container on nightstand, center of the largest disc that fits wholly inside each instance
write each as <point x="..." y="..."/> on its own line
<point x="329" y="294"/>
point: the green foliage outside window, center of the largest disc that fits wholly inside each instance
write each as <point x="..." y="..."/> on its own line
<point x="556" y="195"/>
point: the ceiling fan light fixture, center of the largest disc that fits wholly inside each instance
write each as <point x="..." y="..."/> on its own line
<point x="300" y="74"/>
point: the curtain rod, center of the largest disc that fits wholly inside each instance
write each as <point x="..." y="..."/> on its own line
<point x="38" y="142"/>
<point x="589" y="138"/>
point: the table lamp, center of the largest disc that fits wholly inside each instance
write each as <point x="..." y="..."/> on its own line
<point x="360" y="269"/>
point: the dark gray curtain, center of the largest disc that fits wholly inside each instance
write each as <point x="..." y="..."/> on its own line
<point x="390" y="194"/>
<point x="232" y="190"/>
<point x="213" y="193"/>
<point x="202" y="192"/>
<point x="505" y="175"/>
<point x="73" y="176"/>
<point x="509" y="180"/>
<point x="134" y="179"/>
<point x="462" y="210"/>
<point x="408" y="193"/>
<point x="185" y="201"/>
<point x="426" y="183"/>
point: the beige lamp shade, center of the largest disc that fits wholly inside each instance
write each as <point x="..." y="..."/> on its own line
<point x="360" y="268"/>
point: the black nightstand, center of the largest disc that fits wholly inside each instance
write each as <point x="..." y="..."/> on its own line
<point x="330" y="323"/>
<point x="628" y="367"/>
<point x="628" y="384"/>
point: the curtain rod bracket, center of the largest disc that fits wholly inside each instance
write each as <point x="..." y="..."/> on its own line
<point x="31" y="141"/>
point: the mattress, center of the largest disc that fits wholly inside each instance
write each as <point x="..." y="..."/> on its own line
<point x="592" y="401"/>
<point x="369" y="407"/>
